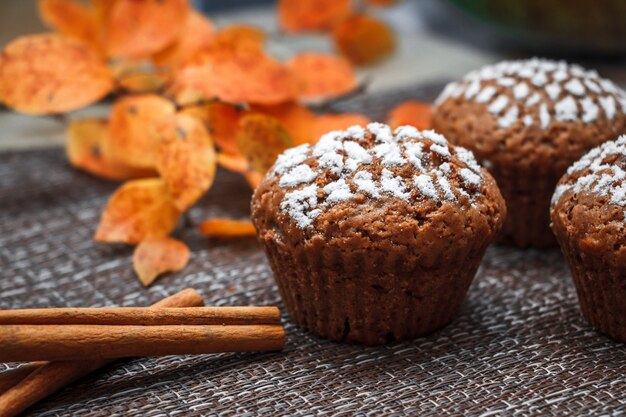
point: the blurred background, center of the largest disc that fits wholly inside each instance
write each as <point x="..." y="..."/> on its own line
<point x="437" y="40"/>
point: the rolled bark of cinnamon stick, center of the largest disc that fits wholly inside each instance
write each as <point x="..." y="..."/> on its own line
<point x="19" y="343"/>
<point x="52" y="376"/>
<point x="243" y="315"/>
<point x="13" y="376"/>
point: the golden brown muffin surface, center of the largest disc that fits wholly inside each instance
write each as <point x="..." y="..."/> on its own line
<point x="589" y="220"/>
<point x="386" y="199"/>
<point x="375" y="235"/>
<point x="527" y="121"/>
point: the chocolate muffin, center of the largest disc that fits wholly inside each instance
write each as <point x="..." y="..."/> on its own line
<point x="526" y="122"/>
<point x="589" y="221"/>
<point x="375" y="235"/>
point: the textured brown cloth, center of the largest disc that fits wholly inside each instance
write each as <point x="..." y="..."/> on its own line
<point x="519" y="346"/>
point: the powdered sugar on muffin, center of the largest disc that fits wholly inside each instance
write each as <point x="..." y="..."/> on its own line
<point x="349" y="223"/>
<point x="537" y="92"/>
<point x="376" y="163"/>
<point x="597" y="172"/>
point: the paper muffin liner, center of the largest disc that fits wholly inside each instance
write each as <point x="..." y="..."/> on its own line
<point x="370" y="297"/>
<point x="601" y="289"/>
<point x="527" y="197"/>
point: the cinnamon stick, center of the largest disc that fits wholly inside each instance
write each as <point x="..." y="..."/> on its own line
<point x="143" y="316"/>
<point x="52" y="376"/>
<point x="20" y="343"/>
<point x="11" y="377"/>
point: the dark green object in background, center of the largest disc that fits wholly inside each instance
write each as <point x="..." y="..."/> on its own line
<point x="574" y="26"/>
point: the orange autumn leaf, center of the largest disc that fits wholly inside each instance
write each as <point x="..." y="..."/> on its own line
<point x="138" y="210"/>
<point x="308" y="15"/>
<point x="382" y="3"/>
<point x="51" y="73"/>
<point x="241" y="36"/>
<point x="85" y="139"/>
<point x="158" y="255"/>
<point x="304" y="126"/>
<point x="261" y="139"/>
<point x="122" y="68"/>
<point x="235" y="75"/>
<point x="197" y="33"/>
<point x="363" y="39"/>
<point x="73" y="19"/>
<point x="322" y="75"/>
<point x="227" y="228"/>
<point x="328" y="122"/>
<point x="414" y="113"/>
<point x="102" y="9"/>
<point x="141" y="82"/>
<point x="132" y="128"/>
<point x="239" y="164"/>
<point x="137" y="29"/>
<point x="298" y="120"/>
<point x="221" y="120"/>
<point x="185" y="159"/>
<point x="235" y="163"/>
<point x="253" y="178"/>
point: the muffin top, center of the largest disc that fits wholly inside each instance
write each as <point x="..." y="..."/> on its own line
<point x="378" y="183"/>
<point x="533" y="110"/>
<point x="589" y="202"/>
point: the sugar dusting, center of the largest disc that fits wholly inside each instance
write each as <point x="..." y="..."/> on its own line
<point x="301" y="205"/>
<point x="600" y="177"/>
<point x="338" y="191"/>
<point x="291" y="157"/>
<point x="390" y="154"/>
<point x="394" y="185"/>
<point x="425" y="185"/>
<point x="342" y="166"/>
<point x="365" y="184"/>
<point x="563" y="92"/>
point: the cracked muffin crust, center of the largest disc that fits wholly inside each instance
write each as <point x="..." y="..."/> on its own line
<point x="589" y="221"/>
<point x="527" y="121"/>
<point x="374" y="235"/>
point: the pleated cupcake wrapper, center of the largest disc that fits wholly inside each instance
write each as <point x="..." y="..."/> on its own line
<point x="601" y="291"/>
<point x="527" y="199"/>
<point x="370" y="298"/>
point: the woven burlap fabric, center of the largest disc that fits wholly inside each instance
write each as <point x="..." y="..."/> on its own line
<point x="518" y="347"/>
